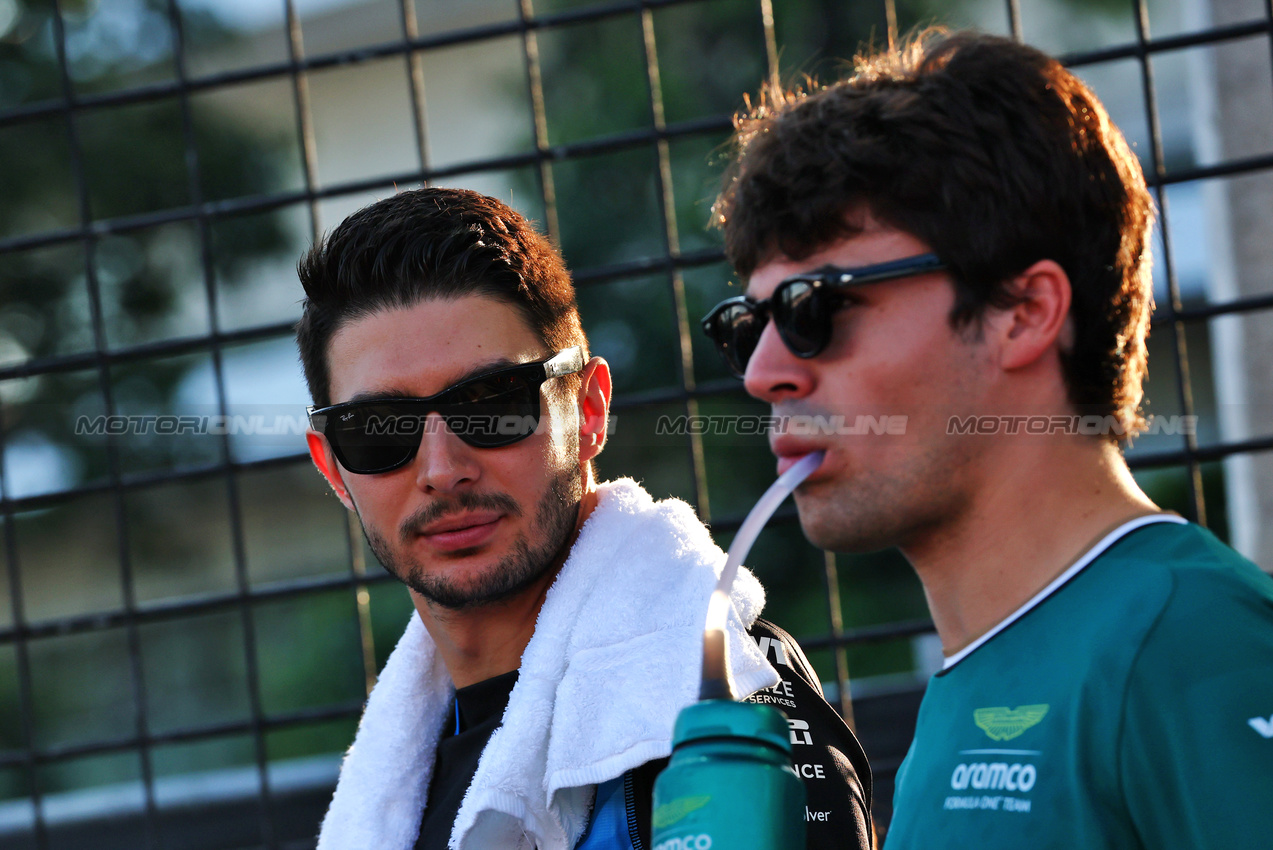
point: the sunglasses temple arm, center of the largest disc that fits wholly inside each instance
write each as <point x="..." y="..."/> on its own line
<point x="902" y="268"/>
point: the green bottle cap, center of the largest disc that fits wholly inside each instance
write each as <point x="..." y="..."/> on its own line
<point x="719" y="718"/>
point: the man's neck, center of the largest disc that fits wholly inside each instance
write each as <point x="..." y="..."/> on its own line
<point x="485" y="641"/>
<point x="1032" y="516"/>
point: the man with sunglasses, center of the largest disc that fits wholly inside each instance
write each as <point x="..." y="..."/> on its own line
<point x="531" y="701"/>
<point x="957" y="237"/>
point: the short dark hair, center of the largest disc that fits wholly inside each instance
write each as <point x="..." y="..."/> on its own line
<point x="430" y="243"/>
<point x="987" y="150"/>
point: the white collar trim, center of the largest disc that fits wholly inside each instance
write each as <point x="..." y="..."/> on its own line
<point x="1074" y="569"/>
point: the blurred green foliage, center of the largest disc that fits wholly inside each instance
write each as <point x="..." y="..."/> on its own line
<point x="129" y="160"/>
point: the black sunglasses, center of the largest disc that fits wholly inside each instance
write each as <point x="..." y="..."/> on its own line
<point x="801" y="307"/>
<point x="496" y="409"/>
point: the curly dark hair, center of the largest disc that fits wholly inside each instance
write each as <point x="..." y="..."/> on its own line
<point x="987" y="150"/>
<point x="431" y="243"/>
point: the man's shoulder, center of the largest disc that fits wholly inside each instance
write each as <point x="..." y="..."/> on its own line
<point x="781" y="650"/>
<point x="1217" y="603"/>
<point x="1162" y="594"/>
<point x="1170" y="612"/>
<point x="1175" y="544"/>
<point x="1196" y="714"/>
<point x="1159" y="576"/>
<point x="1188" y="583"/>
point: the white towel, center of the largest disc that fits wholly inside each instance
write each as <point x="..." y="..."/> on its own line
<point x="615" y="655"/>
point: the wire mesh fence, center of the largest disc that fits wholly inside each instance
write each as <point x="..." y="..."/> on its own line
<point x="189" y="623"/>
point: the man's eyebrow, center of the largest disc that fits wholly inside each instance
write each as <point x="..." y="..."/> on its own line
<point x="393" y="394"/>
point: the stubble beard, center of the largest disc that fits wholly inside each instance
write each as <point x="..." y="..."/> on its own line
<point x="526" y="562"/>
<point x="873" y="510"/>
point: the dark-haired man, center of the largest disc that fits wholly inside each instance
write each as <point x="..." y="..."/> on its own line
<point x="958" y="235"/>
<point x="530" y="703"/>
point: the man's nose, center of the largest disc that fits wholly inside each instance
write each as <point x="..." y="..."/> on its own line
<point x="443" y="461"/>
<point x="774" y="373"/>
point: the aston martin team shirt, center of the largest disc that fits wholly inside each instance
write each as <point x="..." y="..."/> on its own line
<point x="1128" y="705"/>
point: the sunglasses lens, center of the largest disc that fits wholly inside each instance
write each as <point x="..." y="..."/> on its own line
<point x="375" y="437"/>
<point x="803" y="317"/>
<point x="494" y="411"/>
<point x="736" y="329"/>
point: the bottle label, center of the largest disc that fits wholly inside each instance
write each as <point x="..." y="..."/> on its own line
<point x="702" y="841"/>
<point x="671" y="813"/>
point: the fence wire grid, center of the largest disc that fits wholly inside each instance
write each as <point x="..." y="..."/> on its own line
<point x="189" y="624"/>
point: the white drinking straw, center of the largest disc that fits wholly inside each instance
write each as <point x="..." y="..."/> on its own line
<point x="716" y="683"/>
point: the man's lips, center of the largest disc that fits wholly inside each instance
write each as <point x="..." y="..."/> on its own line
<point x="789" y="450"/>
<point x="462" y="531"/>
<point x="786" y="461"/>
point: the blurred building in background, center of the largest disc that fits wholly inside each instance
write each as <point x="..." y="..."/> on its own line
<point x="188" y="620"/>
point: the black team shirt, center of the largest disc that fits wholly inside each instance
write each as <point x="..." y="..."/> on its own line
<point x="480" y="709"/>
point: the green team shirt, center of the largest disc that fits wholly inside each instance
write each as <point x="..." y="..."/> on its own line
<point x="1129" y="704"/>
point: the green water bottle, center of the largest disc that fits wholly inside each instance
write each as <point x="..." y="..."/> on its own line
<point x="730" y="784"/>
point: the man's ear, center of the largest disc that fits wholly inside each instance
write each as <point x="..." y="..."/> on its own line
<point x="594" y="408"/>
<point x="321" y="454"/>
<point x="1039" y="321"/>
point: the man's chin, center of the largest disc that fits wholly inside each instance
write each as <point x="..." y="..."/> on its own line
<point x="459" y="598"/>
<point x="488" y="585"/>
<point x="826" y="532"/>
<point x="817" y="533"/>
